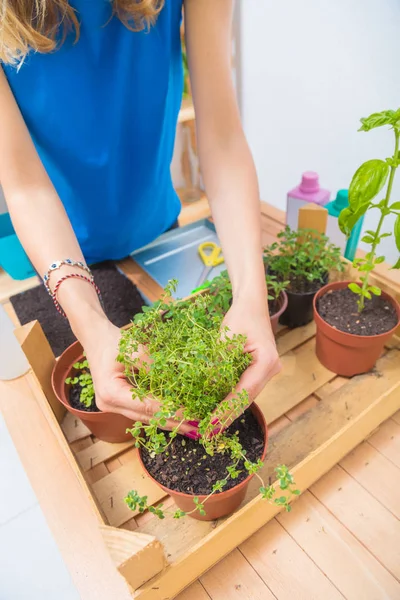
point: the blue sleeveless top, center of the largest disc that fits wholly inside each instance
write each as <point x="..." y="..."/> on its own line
<point x="102" y="114"/>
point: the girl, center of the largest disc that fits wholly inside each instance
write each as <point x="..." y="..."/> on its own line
<point x="90" y="92"/>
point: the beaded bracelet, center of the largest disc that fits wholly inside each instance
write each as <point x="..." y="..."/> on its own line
<point x="72" y="276"/>
<point x="58" y="264"/>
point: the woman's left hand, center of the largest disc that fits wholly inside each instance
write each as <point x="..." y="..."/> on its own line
<point x="251" y="320"/>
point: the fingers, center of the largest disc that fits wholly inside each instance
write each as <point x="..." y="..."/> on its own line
<point x="257" y="375"/>
<point x="253" y="380"/>
<point x="118" y="399"/>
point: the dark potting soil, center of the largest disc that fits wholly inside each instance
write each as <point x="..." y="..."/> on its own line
<point x="189" y="469"/>
<point x="339" y="309"/>
<point x="121" y="301"/>
<point x="74" y="400"/>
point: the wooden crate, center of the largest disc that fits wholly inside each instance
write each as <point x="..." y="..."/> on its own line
<point x="315" y="419"/>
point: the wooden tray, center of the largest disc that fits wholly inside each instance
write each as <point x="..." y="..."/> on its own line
<point x="316" y="419"/>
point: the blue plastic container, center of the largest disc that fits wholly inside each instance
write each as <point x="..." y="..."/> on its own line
<point x="13" y="258"/>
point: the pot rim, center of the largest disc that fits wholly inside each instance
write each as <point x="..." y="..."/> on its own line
<point x="288" y="291"/>
<point x="343" y="284"/>
<point x="284" y="302"/>
<point x="61" y="393"/>
<point x="240" y="485"/>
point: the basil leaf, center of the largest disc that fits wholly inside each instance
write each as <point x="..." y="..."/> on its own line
<point x="386" y="117"/>
<point x="367" y="182"/>
<point x="397" y="232"/>
<point x="348" y="218"/>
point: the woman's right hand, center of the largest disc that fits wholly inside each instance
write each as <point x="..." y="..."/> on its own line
<point x="113" y="392"/>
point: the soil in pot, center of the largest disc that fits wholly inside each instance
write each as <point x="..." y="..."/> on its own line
<point x="349" y="343"/>
<point x="188" y="469"/>
<point x="108" y="427"/>
<point x="300" y="295"/>
<point x="75" y="400"/>
<point x="339" y="309"/>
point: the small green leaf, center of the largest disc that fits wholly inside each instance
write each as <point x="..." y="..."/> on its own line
<point x="355" y="288"/>
<point x="379" y="260"/>
<point x="375" y="290"/>
<point x="349" y="217"/>
<point x="395" y="206"/>
<point x="368" y="239"/>
<point x="397" y="232"/>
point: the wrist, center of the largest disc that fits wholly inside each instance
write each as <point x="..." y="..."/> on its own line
<point x="82" y="307"/>
<point x="89" y="325"/>
<point x="250" y="287"/>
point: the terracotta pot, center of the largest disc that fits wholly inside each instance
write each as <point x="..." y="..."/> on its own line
<point x="299" y="310"/>
<point x="345" y="353"/>
<point x="108" y="427"/>
<point x="223" y="503"/>
<point x="283" y="302"/>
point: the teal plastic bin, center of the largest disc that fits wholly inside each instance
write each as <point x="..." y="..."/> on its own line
<point x="13" y="258"/>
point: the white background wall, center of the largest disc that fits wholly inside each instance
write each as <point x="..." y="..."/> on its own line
<point x="310" y="69"/>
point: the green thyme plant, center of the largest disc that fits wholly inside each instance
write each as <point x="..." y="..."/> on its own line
<point x="284" y="478"/>
<point x="85" y="380"/>
<point x="220" y="290"/>
<point x="194" y="366"/>
<point x="368" y="181"/>
<point x="302" y="256"/>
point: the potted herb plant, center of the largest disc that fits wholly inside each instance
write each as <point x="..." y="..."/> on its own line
<point x="193" y="369"/>
<point x="73" y="385"/>
<point x="302" y="259"/>
<point x="220" y="300"/>
<point x="356" y="319"/>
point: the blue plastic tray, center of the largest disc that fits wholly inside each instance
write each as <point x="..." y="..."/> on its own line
<point x="175" y="255"/>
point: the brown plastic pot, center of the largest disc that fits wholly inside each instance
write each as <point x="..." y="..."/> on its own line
<point x="345" y="353"/>
<point x="220" y="504"/>
<point x="282" y="302"/>
<point x="108" y="427"/>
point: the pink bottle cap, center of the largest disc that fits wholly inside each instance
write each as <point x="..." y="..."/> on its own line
<point x="309" y="182"/>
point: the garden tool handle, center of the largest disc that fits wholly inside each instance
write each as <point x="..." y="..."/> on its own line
<point x="213" y="258"/>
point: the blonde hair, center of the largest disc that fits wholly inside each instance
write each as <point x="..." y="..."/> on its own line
<point x="42" y="25"/>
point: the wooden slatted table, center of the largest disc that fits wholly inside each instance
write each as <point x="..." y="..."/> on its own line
<point x="317" y="418"/>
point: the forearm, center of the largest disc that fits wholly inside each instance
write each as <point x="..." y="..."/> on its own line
<point x="38" y="215"/>
<point x="232" y="188"/>
<point x="43" y="227"/>
<point x="225" y="159"/>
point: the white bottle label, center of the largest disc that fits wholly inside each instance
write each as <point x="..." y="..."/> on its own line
<point x="292" y="211"/>
<point x="335" y="235"/>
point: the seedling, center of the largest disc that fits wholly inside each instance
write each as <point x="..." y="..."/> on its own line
<point x="301" y="256"/>
<point x="194" y="365"/>
<point x="367" y="183"/>
<point x="85" y="380"/>
<point x="221" y="292"/>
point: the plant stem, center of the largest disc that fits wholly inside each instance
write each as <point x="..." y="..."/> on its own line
<point x="371" y="259"/>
